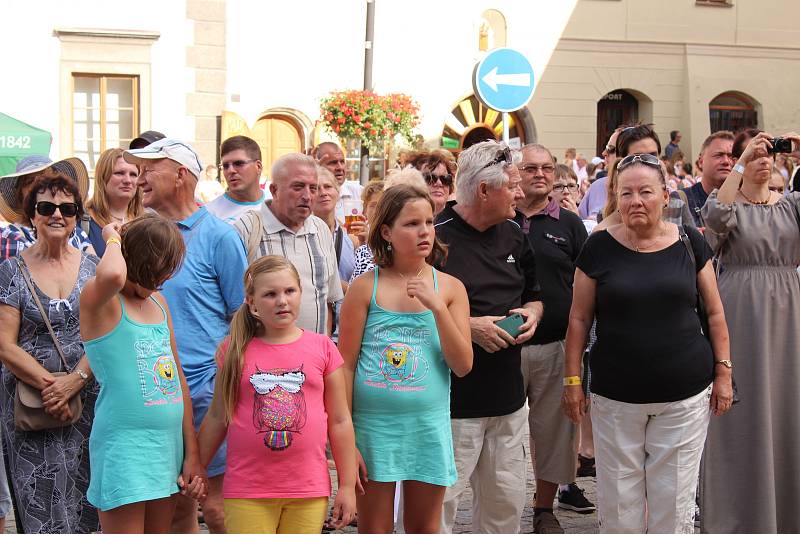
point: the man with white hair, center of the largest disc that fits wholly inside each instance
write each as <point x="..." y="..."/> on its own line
<point x="202" y="296"/>
<point x="490" y="254"/>
<point x="286" y="226"/>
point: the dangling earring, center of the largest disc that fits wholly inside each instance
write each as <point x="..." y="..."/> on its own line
<point x="389" y="247"/>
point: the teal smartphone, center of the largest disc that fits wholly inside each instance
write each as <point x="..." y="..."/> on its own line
<point x="511" y="324"/>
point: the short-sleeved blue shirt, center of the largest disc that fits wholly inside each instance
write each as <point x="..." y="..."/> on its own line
<point x="205" y="293"/>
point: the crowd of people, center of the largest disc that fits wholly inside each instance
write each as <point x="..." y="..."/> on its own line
<point x="160" y="351"/>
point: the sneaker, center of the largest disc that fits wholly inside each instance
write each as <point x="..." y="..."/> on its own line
<point x="586" y="467"/>
<point x="546" y="523"/>
<point x="573" y="499"/>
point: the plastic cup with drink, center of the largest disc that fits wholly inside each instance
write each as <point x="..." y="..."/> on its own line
<point x="353" y="207"/>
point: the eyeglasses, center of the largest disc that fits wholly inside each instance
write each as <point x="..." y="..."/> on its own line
<point x="446" y="179"/>
<point x="533" y="169"/>
<point x="238" y="164"/>
<point x="504" y="156"/>
<point x="561" y="187"/>
<point x="611" y="150"/>
<point x="46" y="209"/>
<point x="647" y="159"/>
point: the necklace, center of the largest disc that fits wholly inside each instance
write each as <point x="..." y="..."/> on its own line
<point x="639" y="248"/>
<point x="416" y="275"/>
<point x="756" y="202"/>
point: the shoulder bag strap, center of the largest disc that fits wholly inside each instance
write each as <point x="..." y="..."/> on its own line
<point x="24" y="270"/>
<point x="687" y="244"/>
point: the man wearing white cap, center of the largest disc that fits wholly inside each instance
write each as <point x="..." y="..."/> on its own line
<point x="202" y="296"/>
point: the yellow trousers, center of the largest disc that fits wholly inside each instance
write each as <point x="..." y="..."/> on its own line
<point x="275" y="516"/>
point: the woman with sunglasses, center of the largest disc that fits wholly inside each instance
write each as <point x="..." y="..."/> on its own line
<point x="751" y="468"/>
<point x="50" y="467"/>
<point x="439" y="170"/>
<point x="654" y="372"/>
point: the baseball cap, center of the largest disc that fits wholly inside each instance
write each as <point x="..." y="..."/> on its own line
<point x="167" y="148"/>
<point x="597" y="161"/>
<point x="145" y="138"/>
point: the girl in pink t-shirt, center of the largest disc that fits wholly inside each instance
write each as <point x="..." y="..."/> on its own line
<point x="279" y="395"/>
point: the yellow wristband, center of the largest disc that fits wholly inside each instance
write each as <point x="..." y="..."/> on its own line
<point x="572" y="381"/>
<point x="114" y="240"/>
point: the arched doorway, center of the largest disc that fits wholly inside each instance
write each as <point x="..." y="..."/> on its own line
<point x="276" y="135"/>
<point x="471" y="122"/>
<point x="732" y="111"/>
<point x="614" y="109"/>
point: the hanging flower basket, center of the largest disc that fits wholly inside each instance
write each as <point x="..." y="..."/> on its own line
<point x="372" y="119"/>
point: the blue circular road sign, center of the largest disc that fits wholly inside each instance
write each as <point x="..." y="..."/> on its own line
<point x="503" y="80"/>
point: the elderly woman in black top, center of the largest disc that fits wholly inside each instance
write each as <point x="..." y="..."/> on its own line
<point x="653" y="371"/>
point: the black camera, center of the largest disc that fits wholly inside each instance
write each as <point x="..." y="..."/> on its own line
<point x="781" y="144"/>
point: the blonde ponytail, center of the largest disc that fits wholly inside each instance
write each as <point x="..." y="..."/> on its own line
<point x="244" y="327"/>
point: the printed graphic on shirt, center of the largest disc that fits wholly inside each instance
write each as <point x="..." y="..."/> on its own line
<point x="279" y="405"/>
<point x="158" y="373"/>
<point x="400" y="365"/>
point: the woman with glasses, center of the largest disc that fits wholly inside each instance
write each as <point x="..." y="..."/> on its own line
<point x="115" y="198"/>
<point x="439" y="170"/>
<point x="50" y="467"/>
<point x="640" y="139"/>
<point x="654" y="372"/>
<point x="751" y="468"/>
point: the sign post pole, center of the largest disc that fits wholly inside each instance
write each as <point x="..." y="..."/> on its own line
<point x="505" y="127"/>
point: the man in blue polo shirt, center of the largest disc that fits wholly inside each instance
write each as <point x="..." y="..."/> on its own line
<point x="202" y="296"/>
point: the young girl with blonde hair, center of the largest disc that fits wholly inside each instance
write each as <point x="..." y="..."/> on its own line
<point x="279" y="393"/>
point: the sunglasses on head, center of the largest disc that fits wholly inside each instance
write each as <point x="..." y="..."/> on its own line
<point x="446" y="179"/>
<point x="46" y="209"/>
<point x="503" y="156"/>
<point x="647" y="159"/>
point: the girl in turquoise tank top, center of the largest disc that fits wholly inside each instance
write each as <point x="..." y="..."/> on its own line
<point x="142" y="449"/>
<point x="404" y="328"/>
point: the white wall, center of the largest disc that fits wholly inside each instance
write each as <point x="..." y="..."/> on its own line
<point x="291" y="54"/>
<point x="30" y="91"/>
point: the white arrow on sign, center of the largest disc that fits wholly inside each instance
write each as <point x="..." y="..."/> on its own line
<point x="492" y="79"/>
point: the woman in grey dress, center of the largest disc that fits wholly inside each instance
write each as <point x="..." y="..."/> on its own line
<point x="49" y="468"/>
<point x="751" y="472"/>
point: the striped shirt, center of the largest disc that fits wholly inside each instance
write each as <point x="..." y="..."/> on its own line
<point x="312" y="253"/>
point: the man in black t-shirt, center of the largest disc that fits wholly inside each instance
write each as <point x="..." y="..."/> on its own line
<point x="556" y="235"/>
<point x="491" y="256"/>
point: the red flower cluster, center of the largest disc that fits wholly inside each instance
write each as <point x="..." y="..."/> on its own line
<point x="371" y="118"/>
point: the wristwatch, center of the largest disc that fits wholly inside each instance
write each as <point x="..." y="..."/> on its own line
<point x="726" y="363"/>
<point x="739" y="168"/>
<point x="81" y="373"/>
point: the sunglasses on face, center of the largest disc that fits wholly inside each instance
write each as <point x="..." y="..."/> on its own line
<point x="238" y="164"/>
<point x="647" y="159"/>
<point x="46" y="209"/>
<point x="431" y="179"/>
<point x="504" y="156"/>
<point x="611" y="150"/>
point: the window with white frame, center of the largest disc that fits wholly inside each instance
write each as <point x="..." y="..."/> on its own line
<point x="105" y="114"/>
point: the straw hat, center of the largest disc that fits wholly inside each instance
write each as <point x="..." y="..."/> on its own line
<point x="70" y="167"/>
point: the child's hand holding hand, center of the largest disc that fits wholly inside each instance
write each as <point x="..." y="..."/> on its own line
<point x="344" y="507"/>
<point x="194" y="473"/>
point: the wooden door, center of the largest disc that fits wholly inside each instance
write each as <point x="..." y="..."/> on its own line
<point x="276" y="135"/>
<point x="614" y="109"/>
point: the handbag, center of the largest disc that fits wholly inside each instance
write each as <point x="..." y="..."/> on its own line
<point x="700" y="306"/>
<point x="29" y="413"/>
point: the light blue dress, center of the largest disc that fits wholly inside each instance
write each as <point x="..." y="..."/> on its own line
<point x="136" y="445"/>
<point x="401" y="398"/>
